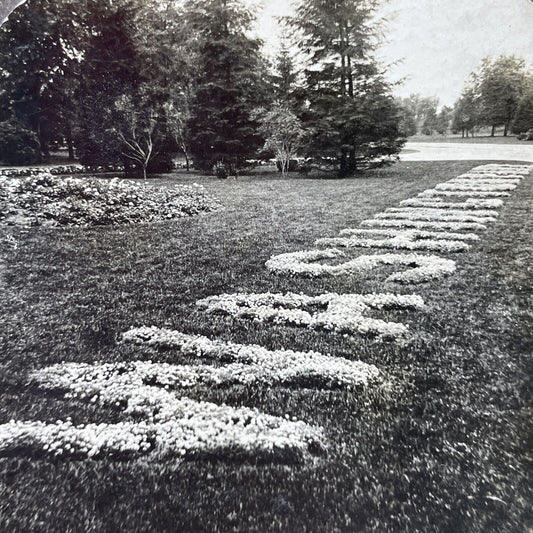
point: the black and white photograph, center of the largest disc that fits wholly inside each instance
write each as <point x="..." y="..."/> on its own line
<point x="266" y="266"/>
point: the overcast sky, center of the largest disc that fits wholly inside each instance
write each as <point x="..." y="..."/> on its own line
<point x="439" y="41"/>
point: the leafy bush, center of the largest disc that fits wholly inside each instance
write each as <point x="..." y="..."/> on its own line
<point x="220" y="170"/>
<point x="56" y="201"/>
<point x="18" y="145"/>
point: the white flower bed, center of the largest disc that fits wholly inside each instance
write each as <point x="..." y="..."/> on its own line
<point x="341" y="313"/>
<point x="398" y="242"/>
<point x="490" y="182"/>
<point x="255" y="363"/>
<point x="471" y="185"/>
<point x="437" y="215"/>
<point x="422" y="267"/>
<point x="170" y="425"/>
<point x="68" y="201"/>
<point x="470" y="203"/>
<point x="490" y="177"/>
<point x="423" y="225"/>
<point x="413" y="234"/>
<point x="467" y="193"/>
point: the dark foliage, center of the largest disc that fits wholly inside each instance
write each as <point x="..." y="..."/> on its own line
<point x="18" y="144"/>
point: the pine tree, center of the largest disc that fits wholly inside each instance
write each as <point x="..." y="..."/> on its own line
<point x="229" y="85"/>
<point x="350" y="107"/>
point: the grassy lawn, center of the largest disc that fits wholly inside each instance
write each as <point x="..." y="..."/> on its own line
<point x="442" y="445"/>
<point x="479" y="139"/>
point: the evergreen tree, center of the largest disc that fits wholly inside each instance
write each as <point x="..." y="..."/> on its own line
<point x="285" y="76"/>
<point x="229" y="84"/>
<point x="110" y="70"/>
<point x="351" y="111"/>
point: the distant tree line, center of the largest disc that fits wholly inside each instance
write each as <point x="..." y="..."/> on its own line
<point x="498" y="94"/>
<point x="137" y="81"/>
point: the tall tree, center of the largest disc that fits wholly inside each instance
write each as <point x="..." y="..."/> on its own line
<point x="38" y="64"/>
<point x="285" y="75"/>
<point x="523" y="120"/>
<point x="110" y="69"/>
<point x="350" y="107"/>
<point x="466" y="113"/>
<point x="500" y="86"/>
<point x="229" y="84"/>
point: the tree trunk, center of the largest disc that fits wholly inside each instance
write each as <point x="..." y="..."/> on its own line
<point x="187" y="163"/>
<point x="144" y="171"/>
<point x="493" y="131"/>
<point x="70" y="144"/>
<point x="343" y="169"/>
<point x="505" y="129"/>
<point x="350" y="77"/>
<point x="349" y="59"/>
<point x="343" y="62"/>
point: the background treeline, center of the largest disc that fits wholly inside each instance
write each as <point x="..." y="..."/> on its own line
<point x="499" y="94"/>
<point x="135" y="82"/>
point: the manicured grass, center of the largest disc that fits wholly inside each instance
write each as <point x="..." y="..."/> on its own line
<point x="442" y="445"/>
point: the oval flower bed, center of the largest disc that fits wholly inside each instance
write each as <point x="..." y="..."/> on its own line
<point x="45" y="199"/>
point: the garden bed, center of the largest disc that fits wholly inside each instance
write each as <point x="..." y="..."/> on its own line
<point x="45" y="199"/>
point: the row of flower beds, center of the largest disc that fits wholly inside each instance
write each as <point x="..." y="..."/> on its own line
<point x="44" y="199"/>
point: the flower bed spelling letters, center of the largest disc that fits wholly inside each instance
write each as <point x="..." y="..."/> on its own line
<point x="335" y="312"/>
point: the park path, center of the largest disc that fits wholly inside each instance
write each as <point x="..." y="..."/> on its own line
<point x="421" y="151"/>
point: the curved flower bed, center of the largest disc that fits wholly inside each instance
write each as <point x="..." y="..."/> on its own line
<point x="421" y="267"/>
<point x="55" y="201"/>
<point x="340" y="313"/>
